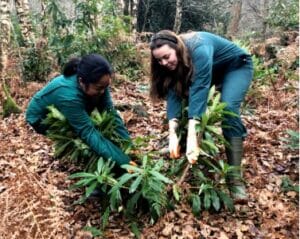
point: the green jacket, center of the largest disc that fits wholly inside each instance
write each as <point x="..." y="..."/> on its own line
<point x="67" y="96"/>
<point x="211" y="55"/>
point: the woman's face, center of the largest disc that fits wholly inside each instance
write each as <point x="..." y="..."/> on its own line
<point x="98" y="87"/>
<point x="166" y="56"/>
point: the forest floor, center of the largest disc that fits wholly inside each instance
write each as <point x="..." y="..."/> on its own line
<point x="35" y="200"/>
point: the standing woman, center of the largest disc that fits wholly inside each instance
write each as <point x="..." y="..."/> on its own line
<point x="184" y="67"/>
<point x="83" y="86"/>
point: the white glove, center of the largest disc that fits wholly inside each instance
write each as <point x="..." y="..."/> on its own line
<point x="193" y="141"/>
<point x="174" y="147"/>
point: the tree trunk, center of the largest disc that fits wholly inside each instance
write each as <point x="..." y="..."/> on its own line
<point x="5" y="26"/>
<point x="130" y="9"/>
<point x="23" y="12"/>
<point x="9" y="105"/>
<point x="145" y="5"/>
<point x="235" y="19"/>
<point x="265" y="14"/>
<point x="126" y="7"/>
<point x="178" y="16"/>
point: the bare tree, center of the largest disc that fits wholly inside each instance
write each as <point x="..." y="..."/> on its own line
<point x="5" y="26"/>
<point x="130" y="9"/>
<point x="144" y="4"/>
<point x="236" y="11"/>
<point x="178" y="16"/>
<point x="261" y="13"/>
<point x="23" y="12"/>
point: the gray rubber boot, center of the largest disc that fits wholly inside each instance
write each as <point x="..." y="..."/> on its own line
<point x="234" y="155"/>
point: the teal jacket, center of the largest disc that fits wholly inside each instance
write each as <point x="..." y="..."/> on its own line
<point x="67" y="96"/>
<point x="211" y="55"/>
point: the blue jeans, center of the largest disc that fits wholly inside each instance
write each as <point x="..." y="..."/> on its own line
<point x="235" y="84"/>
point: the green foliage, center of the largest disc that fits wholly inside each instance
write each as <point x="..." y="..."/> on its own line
<point x="209" y="188"/>
<point x="209" y="126"/>
<point x="37" y="63"/>
<point x="68" y="146"/>
<point x="210" y="123"/>
<point x="143" y="186"/>
<point x="153" y="185"/>
<point x="145" y="182"/>
<point x="284" y="14"/>
<point x="9" y="104"/>
<point x="95" y="232"/>
<point x="101" y="178"/>
<point x="287" y="185"/>
<point x="96" y="28"/>
<point x="292" y="142"/>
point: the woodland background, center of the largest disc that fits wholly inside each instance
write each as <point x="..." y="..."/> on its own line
<point x="38" y="37"/>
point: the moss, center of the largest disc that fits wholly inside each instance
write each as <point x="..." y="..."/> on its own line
<point x="9" y="105"/>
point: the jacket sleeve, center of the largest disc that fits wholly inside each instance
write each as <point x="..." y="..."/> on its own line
<point x="79" y="119"/>
<point x="107" y="104"/>
<point x="202" y="59"/>
<point x="173" y="105"/>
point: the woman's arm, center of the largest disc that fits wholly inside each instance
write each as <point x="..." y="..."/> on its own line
<point x="107" y="104"/>
<point x="202" y="58"/>
<point x="79" y="119"/>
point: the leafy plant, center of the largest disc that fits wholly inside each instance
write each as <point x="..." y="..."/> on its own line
<point x="284" y="14"/>
<point x="102" y="177"/>
<point x="83" y="34"/>
<point x="292" y="142"/>
<point x="209" y="189"/>
<point x="209" y="126"/>
<point x="150" y="184"/>
<point x="37" y="62"/>
<point x="144" y="186"/>
<point x="68" y="146"/>
<point x="208" y="179"/>
<point x="208" y="129"/>
<point x="287" y="185"/>
<point x="145" y="182"/>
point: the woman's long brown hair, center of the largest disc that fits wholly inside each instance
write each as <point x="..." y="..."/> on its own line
<point x="163" y="79"/>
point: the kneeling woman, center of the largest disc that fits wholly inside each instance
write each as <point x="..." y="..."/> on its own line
<point x="83" y="86"/>
<point x="184" y="67"/>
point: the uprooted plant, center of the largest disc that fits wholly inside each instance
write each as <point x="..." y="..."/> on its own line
<point x="153" y="184"/>
<point x="69" y="146"/>
<point x="206" y="184"/>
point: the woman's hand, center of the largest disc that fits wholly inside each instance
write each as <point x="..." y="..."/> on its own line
<point x="193" y="142"/>
<point x="174" y="147"/>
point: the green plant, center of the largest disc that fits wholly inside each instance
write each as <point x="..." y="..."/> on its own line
<point x="9" y="105"/>
<point x="208" y="185"/>
<point x="145" y="182"/>
<point x="208" y="188"/>
<point x="95" y="231"/>
<point x="284" y="14"/>
<point x="145" y="185"/>
<point x="37" y="62"/>
<point x="287" y="185"/>
<point x="102" y="177"/>
<point x="209" y="124"/>
<point x="292" y="142"/>
<point x="68" y="146"/>
<point x="150" y="184"/>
